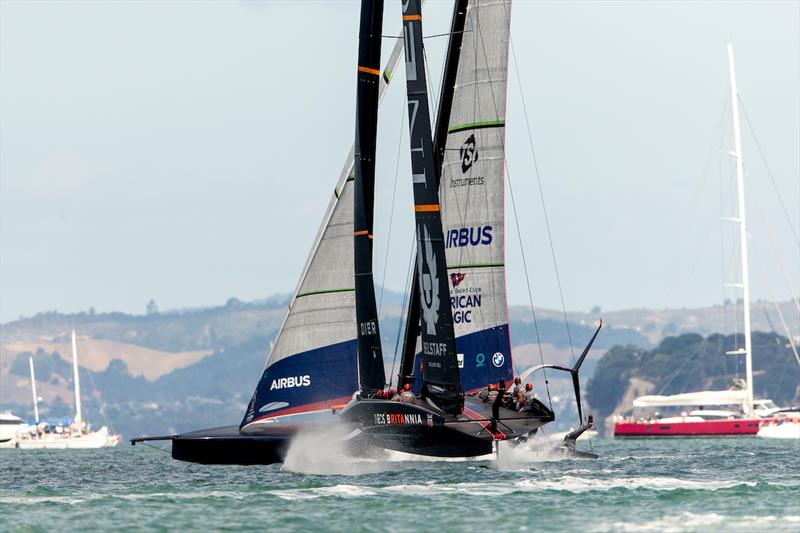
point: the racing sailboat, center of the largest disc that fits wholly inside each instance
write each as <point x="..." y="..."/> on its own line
<point x="326" y="365"/>
<point x="459" y="280"/>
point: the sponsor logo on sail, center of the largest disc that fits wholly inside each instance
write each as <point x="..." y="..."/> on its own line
<point x="480" y="360"/>
<point x="463" y="305"/>
<point x="498" y="359"/>
<point x="291" y="382"/>
<point x="469" y="153"/>
<point x="460" y="359"/>
<point x="469" y="236"/>
<point x="429" y="283"/>
<point x="368" y="328"/>
<point x="456" y="278"/>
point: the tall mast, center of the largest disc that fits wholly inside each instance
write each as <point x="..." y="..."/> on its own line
<point x="742" y="218"/>
<point x="441" y="381"/>
<point x="371" y="373"/>
<point x="439" y="140"/>
<point x="33" y="389"/>
<point x="78" y="417"/>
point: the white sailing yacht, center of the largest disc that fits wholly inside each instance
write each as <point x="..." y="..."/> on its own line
<point x="78" y="434"/>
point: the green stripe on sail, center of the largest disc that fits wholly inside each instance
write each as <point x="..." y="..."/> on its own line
<point x="477" y="125"/>
<point x="327" y="291"/>
<point x="387" y="76"/>
<point x="477" y="265"/>
<point x="351" y="178"/>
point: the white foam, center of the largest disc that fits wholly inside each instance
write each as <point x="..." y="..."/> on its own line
<point x="687" y="521"/>
<point x="341" y="491"/>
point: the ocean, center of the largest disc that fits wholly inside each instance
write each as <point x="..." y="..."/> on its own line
<point x="635" y="485"/>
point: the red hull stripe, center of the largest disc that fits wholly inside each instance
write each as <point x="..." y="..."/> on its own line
<point x="307" y="408"/>
<point x="707" y="428"/>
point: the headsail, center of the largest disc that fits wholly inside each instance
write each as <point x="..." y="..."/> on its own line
<point x="440" y="376"/>
<point x="472" y="196"/>
<point x="371" y="374"/>
<point x="312" y="364"/>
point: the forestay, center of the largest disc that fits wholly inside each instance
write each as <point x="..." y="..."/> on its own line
<point x="472" y="196"/>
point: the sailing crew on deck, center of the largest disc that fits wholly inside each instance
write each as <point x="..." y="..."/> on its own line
<point x="407" y="396"/>
<point x="528" y="397"/>
<point x="493" y="392"/>
<point x="517" y="388"/>
<point x="484" y="394"/>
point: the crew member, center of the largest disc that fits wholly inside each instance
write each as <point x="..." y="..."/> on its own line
<point x="407" y="396"/>
<point x="393" y="395"/>
<point x="484" y="394"/>
<point x="529" y="396"/>
<point x="517" y="388"/>
<point x="493" y="392"/>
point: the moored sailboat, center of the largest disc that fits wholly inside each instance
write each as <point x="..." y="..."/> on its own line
<point x="76" y="434"/>
<point x="734" y="412"/>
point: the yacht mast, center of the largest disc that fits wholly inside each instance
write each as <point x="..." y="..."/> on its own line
<point x="33" y="389"/>
<point x="737" y="140"/>
<point x="78" y="417"/>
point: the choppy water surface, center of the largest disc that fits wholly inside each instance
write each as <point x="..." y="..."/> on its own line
<point x="664" y="485"/>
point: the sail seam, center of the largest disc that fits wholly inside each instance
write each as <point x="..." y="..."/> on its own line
<point x="325" y="291"/>
<point x="477" y="125"/>
<point x="478" y="265"/>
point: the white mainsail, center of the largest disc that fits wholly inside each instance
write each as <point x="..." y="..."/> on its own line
<point x="471" y="193"/>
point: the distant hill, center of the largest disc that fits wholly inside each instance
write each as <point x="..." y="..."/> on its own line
<point x="183" y="369"/>
<point x="691" y="362"/>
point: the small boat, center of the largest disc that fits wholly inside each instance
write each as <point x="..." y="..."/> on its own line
<point x="784" y="425"/>
<point x="10" y="426"/>
<point x="75" y="434"/>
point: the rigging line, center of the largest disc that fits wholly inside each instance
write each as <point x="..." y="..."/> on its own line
<point x="100" y="402"/>
<point x="780" y="313"/>
<point x="693" y="207"/>
<point x="780" y="262"/>
<point x="406" y="301"/>
<point x="769" y="172"/>
<point x="541" y="197"/>
<point x="530" y="292"/>
<point x="391" y="215"/>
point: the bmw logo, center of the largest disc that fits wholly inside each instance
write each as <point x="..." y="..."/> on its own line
<point x="498" y="359"/>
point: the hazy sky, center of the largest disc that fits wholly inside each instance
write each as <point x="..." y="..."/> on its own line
<point x="186" y="151"/>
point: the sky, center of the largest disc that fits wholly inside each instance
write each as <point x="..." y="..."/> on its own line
<point x="185" y="151"/>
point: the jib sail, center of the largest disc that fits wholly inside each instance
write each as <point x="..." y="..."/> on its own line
<point x="440" y="374"/>
<point x="471" y="192"/>
<point x="312" y="363"/>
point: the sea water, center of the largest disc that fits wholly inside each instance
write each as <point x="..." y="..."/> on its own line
<point x="743" y="484"/>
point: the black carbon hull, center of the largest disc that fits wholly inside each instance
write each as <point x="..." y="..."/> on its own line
<point x="422" y="429"/>
<point x="228" y="446"/>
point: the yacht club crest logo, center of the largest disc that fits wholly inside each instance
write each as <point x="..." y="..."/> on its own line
<point x="428" y="281"/>
<point x="456" y="278"/>
<point x="469" y="153"/>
